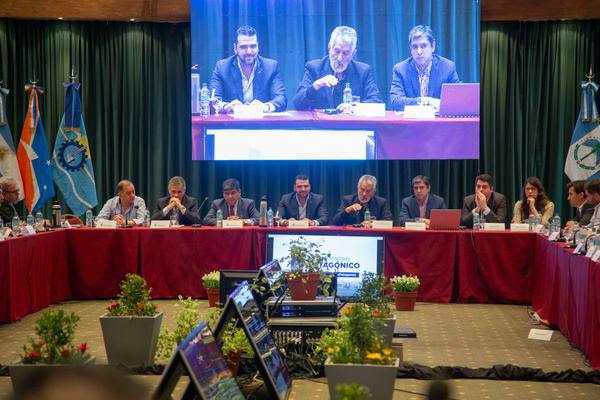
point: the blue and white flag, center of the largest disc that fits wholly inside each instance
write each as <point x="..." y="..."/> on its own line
<point x="71" y="160"/>
<point x="583" y="158"/>
<point x="9" y="166"/>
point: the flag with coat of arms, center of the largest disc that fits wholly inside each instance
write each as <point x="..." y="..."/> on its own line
<point x="32" y="155"/>
<point x="583" y="158"/>
<point x="9" y="167"/>
<point x="71" y="159"/>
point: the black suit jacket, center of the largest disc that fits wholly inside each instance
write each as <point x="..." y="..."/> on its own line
<point x="245" y="210"/>
<point x="315" y="208"/>
<point x="496" y="203"/>
<point x="7" y="212"/>
<point x="584" y="216"/>
<point x="359" y="75"/>
<point x="410" y="207"/>
<point x="267" y="85"/>
<point x="192" y="213"/>
<point x="378" y="206"/>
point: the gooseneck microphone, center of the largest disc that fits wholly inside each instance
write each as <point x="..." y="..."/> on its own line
<point x="203" y="201"/>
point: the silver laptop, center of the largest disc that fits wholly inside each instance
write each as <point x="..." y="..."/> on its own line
<point x="444" y="219"/>
<point x="459" y="100"/>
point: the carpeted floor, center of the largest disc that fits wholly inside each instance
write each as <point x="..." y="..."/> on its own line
<point x="468" y="335"/>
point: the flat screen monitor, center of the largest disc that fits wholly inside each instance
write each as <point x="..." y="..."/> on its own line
<point x="230" y="279"/>
<point x="242" y="306"/>
<point x="351" y="256"/>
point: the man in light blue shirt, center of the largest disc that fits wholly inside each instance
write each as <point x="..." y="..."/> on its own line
<point x="126" y="208"/>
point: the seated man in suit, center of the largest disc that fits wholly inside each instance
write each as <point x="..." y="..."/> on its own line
<point x="489" y="204"/>
<point x="126" y="208"/>
<point x="578" y="200"/>
<point x="592" y="191"/>
<point x="302" y="204"/>
<point x="232" y="205"/>
<point x="419" y="205"/>
<point x="419" y="79"/>
<point x="247" y="78"/>
<point x="9" y="196"/>
<point x="177" y="202"/>
<point x="325" y="79"/>
<point x="352" y="209"/>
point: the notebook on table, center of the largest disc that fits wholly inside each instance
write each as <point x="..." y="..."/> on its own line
<point x="444" y="219"/>
<point x="459" y="100"/>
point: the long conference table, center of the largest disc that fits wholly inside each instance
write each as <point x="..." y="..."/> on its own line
<point x="453" y="266"/>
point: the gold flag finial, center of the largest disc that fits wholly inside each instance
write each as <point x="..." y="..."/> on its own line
<point x="590" y="75"/>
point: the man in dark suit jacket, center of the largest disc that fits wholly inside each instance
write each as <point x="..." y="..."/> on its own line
<point x="422" y="75"/>
<point x="324" y="80"/>
<point x="578" y="199"/>
<point x="177" y="202"/>
<point x="352" y="208"/>
<point x="232" y="205"/>
<point x="303" y="204"/>
<point x="489" y="204"/>
<point x="9" y="196"/>
<point x="421" y="203"/>
<point x="246" y="78"/>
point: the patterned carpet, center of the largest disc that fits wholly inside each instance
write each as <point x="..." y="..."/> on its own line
<point x="469" y="335"/>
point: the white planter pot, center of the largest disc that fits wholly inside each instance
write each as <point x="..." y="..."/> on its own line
<point x="380" y="379"/>
<point x="386" y="329"/>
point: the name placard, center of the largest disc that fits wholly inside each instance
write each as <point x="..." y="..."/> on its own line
<point x="160" y="223"/>
<point x="381" y="224"/>
<point x="6" y="231"/>
<point x="106" y="224"/>
<point x="590" y="251"/>
<point x="519" y="227"/>
<point x="419" y="112"/>
<point x="540" y="334"/>
<point x="298" y="224"/>
<point x="494" y="226"/>
<point x="553" y="236"/>
<point x="369" y="110"/>
<point x="415" y="226"/>
<point x="596" y="256"/>
<point x="28" y="230"/>
<point x="233" y="223"/>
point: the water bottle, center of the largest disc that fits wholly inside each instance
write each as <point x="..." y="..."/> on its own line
<point x="204" y="101"/>
<point x="56" y="213"/>
<point x="476" y="222"/>
<point x="146" y="218"/>
<point x="557" y="224"/>
<point x="347" y="98"/>
<point x="174" y="217"/>
<point x="39" y="218"/>
<point x="195" y="91"/>
<point x="89" y="218"/>
<point x="531" y="222"/>
<point x="367" y="215"/>
<point x="1" y="224"/>
<point x="270" y="218"/>
<point x="30" y="219"/>
<point x="15" y="224"/>
<point x="219" y="218"/>
<point x="262" y="220"/>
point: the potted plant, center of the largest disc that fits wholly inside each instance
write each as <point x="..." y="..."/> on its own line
<point x="53" y="348"/>
<point x="356" y="354"/>
<point x="305" y="270"/>
<point x="210" y="282"/>
<point x="131" y="325"/>
<point x="372" y="293"/>
<point x="405" y="291"/>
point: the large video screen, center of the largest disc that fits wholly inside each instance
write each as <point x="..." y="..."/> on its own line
<point x="351" y="256"/>
<point x="334" y="80"/>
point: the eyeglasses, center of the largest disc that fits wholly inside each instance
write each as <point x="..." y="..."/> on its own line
<point x="12" y="191"/>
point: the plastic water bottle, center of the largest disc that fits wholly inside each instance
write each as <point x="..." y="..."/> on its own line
<point x="204" y="101"/>
<point x="30" y="220"/>
<point x="39" y="218"/>
<point x="476" y="222"/>
<point x="89" y="218"/>
<point x="557" y="224"/>
<point x="1" y="223"/>
<point x="219" y="218"/>
<point x="262" y="220"/>
<point x="531" y="222"/>
<point x="367" y="215"/>
<point x="56" y="213"/>
<point x="146" y="218"/>
<point x="15" y="224"/>
<point x="195" y="91"/>
<point x="270" y="218"/>
<point x="347" y="98"/>
<point x="173" y="217"/>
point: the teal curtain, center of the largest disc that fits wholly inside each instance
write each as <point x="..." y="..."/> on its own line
<point x="135" y="97"/>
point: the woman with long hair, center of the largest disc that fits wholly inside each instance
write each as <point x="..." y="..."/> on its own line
<point x="534" y="202"/>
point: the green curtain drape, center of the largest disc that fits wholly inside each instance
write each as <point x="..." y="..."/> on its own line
<point x="135" y="103"/>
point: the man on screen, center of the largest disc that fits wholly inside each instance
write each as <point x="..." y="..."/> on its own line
<point x="302" y="204"/>
<point x="177" y="202"/>
<point x="232" y="205"/>
<point x="8" y="198"/>
<point x="247" y="78"/>
<point x="325" y="79"/>
<point x="126" y="208"/>
<point x="419" y="205"/>
<point x="352" y="209"/>
<point x="419" y="79"/>
<point x="490" y="205"/>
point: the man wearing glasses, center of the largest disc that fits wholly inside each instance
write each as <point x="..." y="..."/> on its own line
<point x="9" y="196"/>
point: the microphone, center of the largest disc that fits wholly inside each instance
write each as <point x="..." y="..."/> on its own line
<point x="203" y="201"/>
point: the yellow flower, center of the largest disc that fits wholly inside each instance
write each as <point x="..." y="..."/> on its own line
<point x="374" y="356"/>
<point x="387" y="351"/>
<point x="329" y="350"/>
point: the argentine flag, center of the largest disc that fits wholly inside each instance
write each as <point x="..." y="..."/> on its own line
<point x="583" y="158"/>
<point x="72" y="168"/>
<point x="9" y="166"/>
